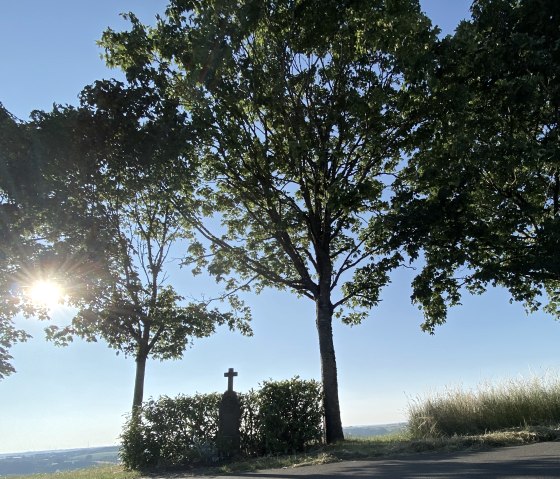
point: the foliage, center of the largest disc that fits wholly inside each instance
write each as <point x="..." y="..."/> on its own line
<point x="296" y="110"/>
<point x="50" y="229"/>
<point x="9" y="335"/>
<point x="20" y="230"/>
<point x="515" y="403"/>
<point x="251" y="442"/>
<point x="172" y="432"/>
<point x="290" y="415"/>
<point x="481" y="197"/>
<point x="283" y="416"/>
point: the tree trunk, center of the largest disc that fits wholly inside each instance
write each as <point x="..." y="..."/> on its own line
<point x="333" y="423"/>
<point x="141" y="358"/>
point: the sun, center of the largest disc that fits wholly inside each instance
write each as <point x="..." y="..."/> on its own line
<point x="45" y="294"/>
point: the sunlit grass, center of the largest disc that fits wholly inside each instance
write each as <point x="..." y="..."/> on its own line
<point x="102" y="472"/>
<point x="491" y="407"/>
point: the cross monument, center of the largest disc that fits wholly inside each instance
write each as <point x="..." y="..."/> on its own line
<point x="230" y="375"/>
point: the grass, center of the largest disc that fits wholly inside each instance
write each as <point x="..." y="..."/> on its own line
<point x="102" y="472"/>
<point x="510" y="404"/>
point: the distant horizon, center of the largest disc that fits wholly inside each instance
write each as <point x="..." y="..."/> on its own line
<point x="47" y="451"/>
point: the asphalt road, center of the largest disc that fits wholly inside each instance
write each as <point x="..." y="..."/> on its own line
<point x="541" y="460"/>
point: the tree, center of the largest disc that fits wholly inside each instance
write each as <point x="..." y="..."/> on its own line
<point x="126" y="299"/>
<point x="481" y="199"/>
<point x="136" y="312"/>
<point x="296" y="107"/>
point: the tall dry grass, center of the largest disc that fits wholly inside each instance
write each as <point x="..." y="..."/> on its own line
<point x="491" y="407"/>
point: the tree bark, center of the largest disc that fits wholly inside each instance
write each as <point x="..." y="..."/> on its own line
<point x="333" y="423"/>
<point x="141" y="358"/>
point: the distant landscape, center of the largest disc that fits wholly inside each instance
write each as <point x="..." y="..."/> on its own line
<point x="41" y="462"/>
<point x="368" y="431"/>
<point x="53" y="461"/>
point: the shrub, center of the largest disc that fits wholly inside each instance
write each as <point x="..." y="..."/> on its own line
<point x="515" y="403"/>
<point x="290" y="415"/>
<point x="137" y="451"/>
<point x="251" y="437"/>
<point x="171" y="432"/>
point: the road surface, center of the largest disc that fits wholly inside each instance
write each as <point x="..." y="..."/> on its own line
<point x="541" y="460"/>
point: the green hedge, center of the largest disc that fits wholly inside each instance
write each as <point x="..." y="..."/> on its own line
<point x="290" y="415"/>
<point x="171" y="432"/>
<point x="280" y="417"/>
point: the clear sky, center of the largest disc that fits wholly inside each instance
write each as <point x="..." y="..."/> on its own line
<point x="78" y="396"/>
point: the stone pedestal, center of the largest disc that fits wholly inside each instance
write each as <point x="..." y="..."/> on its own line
<point x="229" y="425"/>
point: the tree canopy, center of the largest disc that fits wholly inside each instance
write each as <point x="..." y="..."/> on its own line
<point x="481" y="199"/>
<point x="20" y="226"/>
<point x="37" y="198"/>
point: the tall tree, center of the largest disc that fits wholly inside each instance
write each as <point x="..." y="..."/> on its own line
<point x="482" y="196"/>
<point x="130" y="227"/>
<point x="296" y="106"/>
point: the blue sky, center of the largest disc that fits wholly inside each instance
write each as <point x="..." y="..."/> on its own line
<point x="78" y="396"/>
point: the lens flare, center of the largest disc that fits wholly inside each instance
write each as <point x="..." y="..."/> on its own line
<point x="45" y="294"/>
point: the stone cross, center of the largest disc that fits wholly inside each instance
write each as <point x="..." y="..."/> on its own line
<point x="229" y="420"/>
<point x="230" y="375"/>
